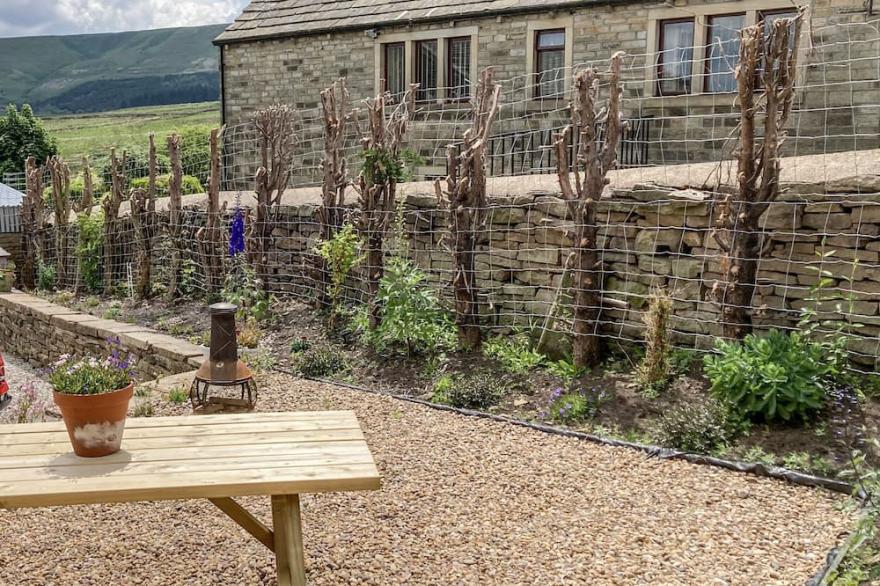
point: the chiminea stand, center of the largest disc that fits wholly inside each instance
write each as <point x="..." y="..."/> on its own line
<point x="223" y="380"/>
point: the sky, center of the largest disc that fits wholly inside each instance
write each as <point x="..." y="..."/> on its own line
<point x="23" y="18"/>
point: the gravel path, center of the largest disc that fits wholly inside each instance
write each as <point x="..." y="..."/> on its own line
<point x="464" y="501"/>
<point x="20" y="374"/>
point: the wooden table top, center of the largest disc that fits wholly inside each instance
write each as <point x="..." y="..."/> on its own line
<point x="202" y="456"/>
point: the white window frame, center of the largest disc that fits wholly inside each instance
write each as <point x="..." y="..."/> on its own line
<point x="409" y="40"/>
<point x="700" y="14"/>
<point x="532" y="29"/>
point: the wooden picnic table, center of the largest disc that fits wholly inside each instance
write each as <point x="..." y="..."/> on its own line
<point x="216" y="457"/>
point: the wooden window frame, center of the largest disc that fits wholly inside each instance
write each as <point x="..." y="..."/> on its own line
<point x="468" y="85"/>
<point x="385" y="48"/>
<point x="706" y="52"/>
<point x="661" y="33"/>
<point x="537" y="56"/>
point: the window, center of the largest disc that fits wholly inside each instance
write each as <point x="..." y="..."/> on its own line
<point x="722" y="51"/>
<point x="550" y="62"/>
<point x="395" y="68"/>
<point x="675" y="57"/>
<point x="769" y="17"/>
<point x="426" y="70"/>
<point x="458" y="61"/>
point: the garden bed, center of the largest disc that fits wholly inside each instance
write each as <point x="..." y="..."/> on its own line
<point x="464" y="500"/>
<point x="624" y="412"/>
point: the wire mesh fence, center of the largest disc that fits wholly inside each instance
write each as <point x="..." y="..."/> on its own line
<point x="820" y="242"/>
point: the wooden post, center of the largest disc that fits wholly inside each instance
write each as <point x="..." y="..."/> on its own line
<point x="143" y="219"/>
<point x="289" y="552"/>
<point x="466" y="198"/>
<point x="60" y="176"/>
<point x="174" y="227"/>
<point x="83" y="208"/>
<point x="111" y="203"/>
<point x="773" y="60"/>
<point x="209" y="237"/>
<point x="334" y="104"/>
<point x="33" y="221"/>
<point x="589" y="168"/>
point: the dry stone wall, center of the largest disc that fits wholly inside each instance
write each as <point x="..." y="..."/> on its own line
<point x="39" y="332"/>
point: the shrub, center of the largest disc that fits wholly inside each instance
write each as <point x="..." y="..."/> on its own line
<point x="700" y="428"/>
<point x="778" y="376"/>
<point x="514" y="352"/>
<point x="249" y="333"/>
<point x="320" y="361"/>
<point x="412" y="318"/>
<point x="470" y="391"/>
<point x="45" y="276"/>
<point x="242" y="288"/>
<point x="574" y="406"/>
<point x="90" y="250"/>
<point x="342" y="253"/>
<point x="299" y="345"/>
<point x="652" y="374"/>
<point x="188" y="184"/>
<point x="260" y="360"/>
<point x="178" y="395"/>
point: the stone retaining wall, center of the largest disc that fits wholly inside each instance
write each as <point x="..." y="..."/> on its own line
<point x="39" y="332"/>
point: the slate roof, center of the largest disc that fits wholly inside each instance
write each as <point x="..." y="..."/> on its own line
<point x="264" y="19"/>
<point x="10" y="197"/>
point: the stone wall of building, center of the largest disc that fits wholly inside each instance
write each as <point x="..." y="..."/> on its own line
<point x="838" y="109"/>
<point x="39" y="332"/>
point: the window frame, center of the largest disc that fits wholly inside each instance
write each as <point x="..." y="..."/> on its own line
<point x="385" y="77"/>
<point x="660" y="52"/>
<point x="706" y="53"/>
<point x="536" y="59"/>
<point x="468" y="86"/>
<point x="417" y="70"/>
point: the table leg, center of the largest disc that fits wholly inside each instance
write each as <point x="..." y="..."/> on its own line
<point x="289" y="555"/>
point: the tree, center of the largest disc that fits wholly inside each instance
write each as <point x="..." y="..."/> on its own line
<point x="22" y="135"/>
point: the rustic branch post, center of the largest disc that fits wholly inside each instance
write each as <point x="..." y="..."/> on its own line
<point x="59" y="173"/>
<point x="174" y="228"/>
<point x="773" y="61"/>
<point x="274" y="127"/>
<point x="376" y="184"/>
<point x="334" y="104"/>
<point x="83" y="208"/>
<point x="210" y="236"/>
<point x="143" y="218"/>
<point x="33" y="223"/>
<point x="110" y="204"/>
<point x="466" y="198"/>
<point x="589" y="169"/>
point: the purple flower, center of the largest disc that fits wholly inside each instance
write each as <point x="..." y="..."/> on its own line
<point x="236" y="233"/>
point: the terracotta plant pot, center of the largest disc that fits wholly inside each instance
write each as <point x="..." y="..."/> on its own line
<point x="95" y="423"/>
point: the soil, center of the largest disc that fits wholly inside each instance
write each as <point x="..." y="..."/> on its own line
<point x="627" y="413"/>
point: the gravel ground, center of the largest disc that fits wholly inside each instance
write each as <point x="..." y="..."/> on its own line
<point x="19" y="374"/>
<point x="464" y="501"/>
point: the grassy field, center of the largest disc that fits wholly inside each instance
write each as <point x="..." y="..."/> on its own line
<point x="95" y="134"/>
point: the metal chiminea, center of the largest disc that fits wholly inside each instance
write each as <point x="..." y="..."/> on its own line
<point x="223" y="370"/>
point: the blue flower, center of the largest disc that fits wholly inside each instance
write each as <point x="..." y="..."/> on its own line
<point x="236" y="233"/>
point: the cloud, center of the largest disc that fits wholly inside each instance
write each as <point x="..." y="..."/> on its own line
<point x="20" y="18"/>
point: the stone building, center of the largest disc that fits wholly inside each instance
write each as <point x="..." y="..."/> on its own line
<point x="678" y="74"/>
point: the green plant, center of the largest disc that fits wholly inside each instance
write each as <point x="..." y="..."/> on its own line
<point x="653" y="373"/>
<point x="758" y="455"/>
<point x="90" y="250"/>
<point x="45" y="276"/>
<point x="91" y="302"/>
<point x="189" y="284"/>
<point x="700" y="428"/>
<point x="574" y="406"/>
<point x="320" y="361"/>
<point x="566" y="369"/>
<point x="681" y="360"/>
<point x="777" y="376"/>
<point x="249" y="333"/>
<point x="142" y="391"/>
<point x="412" y="319"/>
<point x="188" y="184"/>
<point x="342" y="254"/>
<point x="22" y="135"/>
<point x="808" y="463"/>
<point x="299" y="345"/>
<point x="112" y="312"/>
<point x="260" y="360"/>
<point x="178" y="395"/>
<point x="242" y="288"/>
<point x="514" y="352"/>
<point x="382" y="165"/>
<point x="91" y="376"/>
<point x="470" y="391"/>
<point x="143" y="408"/>
<point x="440" y="389"/>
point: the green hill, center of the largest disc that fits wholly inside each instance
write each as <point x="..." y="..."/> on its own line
<point x="98" y="72"/>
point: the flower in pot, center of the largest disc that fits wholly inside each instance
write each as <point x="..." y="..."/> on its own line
<point x="93" y="395"/>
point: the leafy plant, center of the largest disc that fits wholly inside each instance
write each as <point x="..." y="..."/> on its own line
<point x="342" y="254"/>
<point x="514" y="352"/>
<point x="778" y="376"/>
<point x="22" y="135"/>
<point x="112" y="312"/>
<point x="143" y="408"/>
<point x="188" y="184"/>
<point x="320" y="361"/>
<point x="242" y="288"/>
<point x="381" y="165"/>
<point x="758" y="455"/>
<point x="653" y="373"/>
<point x="189" y="284"/>
<point x="700" y="428"/>
<point x="249" y="333"/>
<point x="566" y="369"/>
<point x="91" y="376"/>
<point x="413" y="320"/>
<point x="46" y="275"/>
<point x="808" y="463"/>
<point x="178" y="395"/>
<point x="299" y="345"/>
<point x="260" y="360"/>
<point x="90" y="250"/>
<point x="681" y="360"/>
<point x="470" y="391"/>
<point x="574" y="406"/>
